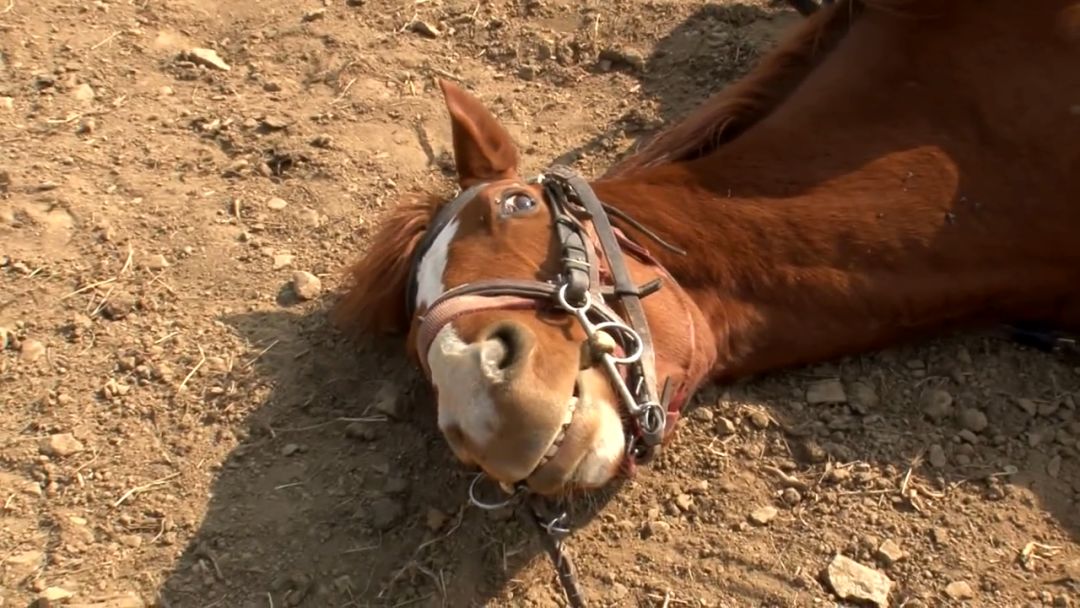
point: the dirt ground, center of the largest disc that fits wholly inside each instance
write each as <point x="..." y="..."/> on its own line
<point x="179" y="427"/>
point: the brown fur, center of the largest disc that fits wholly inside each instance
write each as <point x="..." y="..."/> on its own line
<point x="375" y="299"/>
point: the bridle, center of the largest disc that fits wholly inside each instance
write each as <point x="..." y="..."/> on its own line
<point x="579" y="289"/>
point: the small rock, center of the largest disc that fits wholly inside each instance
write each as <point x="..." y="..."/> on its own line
<point x="31" y="350"/>
<point x="131" y="540"/>
<point x="155" y="261"/>
<point x="55" y="594"/>
<point x="791" y="497"/>
<point x="290" y="449"/>
<point x="306" y="285"/>
<point x="763" y="515"/>
<point x="684" y="502"/>
<point x="826" y="391"/>
<point x="208" y="58"/>
<point x="724" y="426"/>
<point x="26" y="559"/>
<point x="166" y="91"/>
<point x="937" y="404"/>
<point x="282" y="260"/>
<point x="759" y="419"/>
<point x="361" y="431"/>
<point x="61" y="444"/>
<point x="86" y="126"/>
<point x="890" y="552"/>
<point x="1053" y="468"/>
<point x="385" y="512"/>
<point x="274" y="123"/>
<point x="313" y="15"/>
<point x="83" y="93"/>
<point x="959" y="590"/>
<point x="623" y="57"/>
<point x="973" y="420"/>
<point x="1028" y="406"/>
<point x="968" y="436"/>
<point x="322" y="141"/>
<point x="863" y="397"/>
<point x="936" y="456"/>
<point x="277" y="204"/>
<point x="310" y="217"/>
<point x="656" y="526"/>
<point x="5" y="338"/>
<point x="702" y="414"/>
<point x="436" y="519"/>
<point x="424" y="29"/>
<point x="396" y="485"/>
<point x="618" y="591"/>
<point x="388" y="401"/>
<point x="7" y="103"/>
<point x="854" y="581"/>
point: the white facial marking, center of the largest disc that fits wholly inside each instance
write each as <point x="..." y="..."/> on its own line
<point x="429" y="277"/>
<point x="458" y="373"/>
<point x="606" y="452"/>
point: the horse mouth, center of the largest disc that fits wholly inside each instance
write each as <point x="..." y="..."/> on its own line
<point x="568" y="418"/>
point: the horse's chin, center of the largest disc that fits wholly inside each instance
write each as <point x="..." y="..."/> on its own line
<point x="593" y="448"/>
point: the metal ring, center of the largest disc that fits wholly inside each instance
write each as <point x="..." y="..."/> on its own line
<point x="483" y="505"/>
<point x="651" y="419"/>
<point x="627" y="331"/>
<point x="561" y="296"/>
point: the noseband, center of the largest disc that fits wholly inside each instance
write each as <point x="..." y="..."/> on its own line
<point x="578" y="290"/>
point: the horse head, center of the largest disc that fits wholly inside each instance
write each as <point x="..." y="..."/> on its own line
<point x="559" y="350"/>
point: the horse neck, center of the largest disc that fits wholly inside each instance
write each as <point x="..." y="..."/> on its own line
<point x="793" y="259"/>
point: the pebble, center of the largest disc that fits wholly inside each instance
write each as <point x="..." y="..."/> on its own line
<point x="361" y="431"/>
<point x="290" y="449"/>
<point x="282" y="260"/>
<point x="684" y="502"/>
<point x="55" y="594"/>
<point x="724" y="426"/>
<point x="702" y="414"/>
<point x="863" y="397"/>
<point x="61" y="444"/>
<point x="973" y="420"/>
<point x="388" y="401"/>
<point x="208" y="58"/>
<point x="763" y="515"/>
<point x="937" y="404"/>
<point x="436" y="519"/>
<point x="936" y="456"/>
<point x="791" y="497"/>
<point x="277" y="204"/>
<point x="83" y="93"/>
<point x="155" y="261"/>
<point x="890" y="552"/>
<point x="759" y="419"/>
<point x="385" y="512"/>
<point x="1053" y="468"/>
<point x="854" y="581"/>
<point x="826" y="391"/>
<point x="1028" y="406"/>
<point x="306" y="285"/>
<point x="31" y="350"/>
<point x="959" y="590"/>
<point x="313" y="15"/>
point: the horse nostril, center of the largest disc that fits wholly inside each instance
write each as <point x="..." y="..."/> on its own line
<point x="504" y="346"/>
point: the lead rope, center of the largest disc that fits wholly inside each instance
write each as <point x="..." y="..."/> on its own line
<point x="552" y="531"/>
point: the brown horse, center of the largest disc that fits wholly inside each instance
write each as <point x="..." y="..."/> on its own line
<point x="893" y="168"/>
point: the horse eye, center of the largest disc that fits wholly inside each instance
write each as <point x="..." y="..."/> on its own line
<point x="517" y="203"/>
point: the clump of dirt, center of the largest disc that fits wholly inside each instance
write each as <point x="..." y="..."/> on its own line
<point x="181" y="184"/>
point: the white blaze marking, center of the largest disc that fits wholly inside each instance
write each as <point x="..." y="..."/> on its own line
<point x="459" y="374"/>
<point x="429" y="277"/>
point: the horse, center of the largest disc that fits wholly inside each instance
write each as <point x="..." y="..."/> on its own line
<point x="891" y="170"/>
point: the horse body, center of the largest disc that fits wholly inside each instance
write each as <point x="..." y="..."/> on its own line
<point x="895" y="168"/>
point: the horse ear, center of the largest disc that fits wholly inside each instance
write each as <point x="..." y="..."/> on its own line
<point x="483" y="149"/>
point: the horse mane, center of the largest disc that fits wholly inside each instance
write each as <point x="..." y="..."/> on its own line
<point x="374" y="301"/>
<point x="744" y="103"/>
